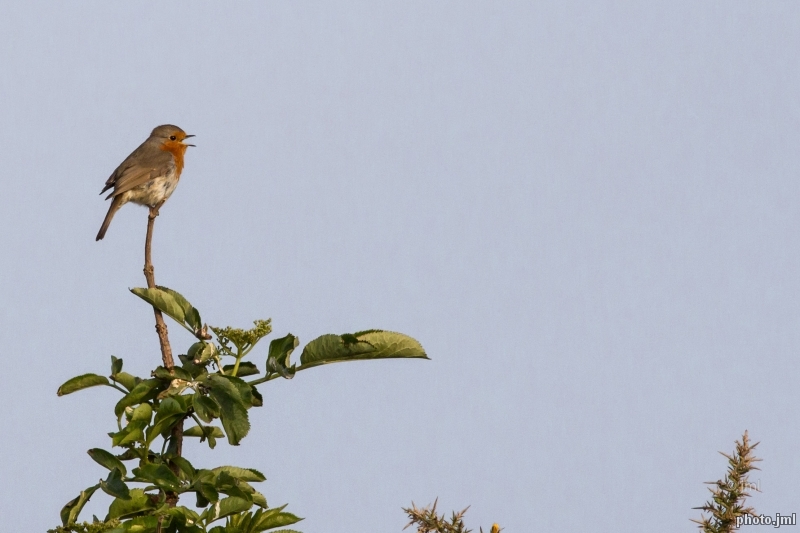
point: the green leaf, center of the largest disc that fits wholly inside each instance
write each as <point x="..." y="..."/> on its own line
<point x="275" y="518"/>
<point x="191" y="315"/>
<point x="210" y="433"/>
<point x="184" y="465"/>
<point x="244" y="490"/>
<point x="169" y="407"/>
<point x="240" y="522"/>
<point x="194" y="370"/>
<point x="233" y="413"/>
<point x="184" y="515"/>
<point x="70" y="512"/>
<point x="206" y="408"/>
<point x="138" y="502"/>
<point x="142" y="413"/>
<point x="201" y="351"/>
<point x="372" y="344"/>
<point x="126" y="380"/>
<point x="114" y="486"/>
<point x="258" y="400"/>
<point x="163" y="301"/>
<point x="116" y="365"/>
<point x="163" y="427"/>
<point x="81" y="382"/>
<point x="167" y="375"/>
<point x="158" y="475"/>
<point x="280" y="351"/>
<point x="244" y="474"/>
<point x="175" y="389"/>
<point x="226" y="507"/>
<point x="133" y="432"/>
<point x="193" y="320"/>
<point x="203" y="431"/>
<point x="171" y="304"/>
<point x="107" y="460"/>
<point x="259" y="499"/>
<point x="230" y="486"/>
<point x="140" y="524"/>
<point x="129" y="455"/>
<point x="244" y="389"/>
<point x="144" y="391"/>
<point x="206" y="493"/>
<point x="246" y="368"/>
<point x="171" y="411"/>
<point x="139" y="419"/>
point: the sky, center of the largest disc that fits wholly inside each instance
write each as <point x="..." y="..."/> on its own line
<point x="586" y="212"/>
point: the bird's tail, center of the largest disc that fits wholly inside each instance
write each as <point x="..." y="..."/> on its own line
<point x="116" y="203"/>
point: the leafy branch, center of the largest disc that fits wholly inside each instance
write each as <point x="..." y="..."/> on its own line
<point x="149" y="477"/>
<point x="203" y="389"/>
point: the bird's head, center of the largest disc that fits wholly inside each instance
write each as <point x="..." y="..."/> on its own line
<point x="169" y="134"/>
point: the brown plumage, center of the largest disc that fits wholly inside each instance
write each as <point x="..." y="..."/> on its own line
<point x="150" y="174"/>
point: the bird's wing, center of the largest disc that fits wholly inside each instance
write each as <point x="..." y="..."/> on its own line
<point x="130" y="175"/>
<point x="126" y="165"/>
<point x="112" y="179"/>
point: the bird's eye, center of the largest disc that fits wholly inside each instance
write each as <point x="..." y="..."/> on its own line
<point x="172" y="137"/>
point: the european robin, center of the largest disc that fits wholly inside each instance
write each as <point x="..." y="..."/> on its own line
<point x="150" y="174"/>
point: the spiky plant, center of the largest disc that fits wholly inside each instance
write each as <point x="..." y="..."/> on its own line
<point x="728" y="495"/>
<point x="427" y="520"/>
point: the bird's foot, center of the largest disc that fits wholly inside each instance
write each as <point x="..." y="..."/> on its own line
<point x="154" y="209"/>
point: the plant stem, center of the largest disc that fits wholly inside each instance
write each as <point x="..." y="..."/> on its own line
<point x="259" y="381"/>
<point x="115" y="386"/>
<point x="149" y="274"/>
<point x="163" y="338"/>
<point x="239" y="358"/>
<point x="197" y="420"/>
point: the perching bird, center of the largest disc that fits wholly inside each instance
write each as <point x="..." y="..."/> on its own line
<point x="150" y="174"/>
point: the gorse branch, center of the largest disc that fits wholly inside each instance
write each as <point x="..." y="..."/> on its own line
<point x="728" y="495"/>
<point x="426" y="520"/>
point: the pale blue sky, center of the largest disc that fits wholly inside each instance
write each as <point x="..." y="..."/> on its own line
<point x="587" y="212"/>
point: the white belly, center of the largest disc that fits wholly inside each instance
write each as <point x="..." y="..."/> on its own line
<point x="154" y="191"/>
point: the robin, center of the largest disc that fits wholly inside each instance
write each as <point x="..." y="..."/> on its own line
<point x="150" y="174"/>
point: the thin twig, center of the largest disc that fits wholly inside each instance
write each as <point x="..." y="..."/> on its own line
<point x="163" y="339"/>
<point x="149" y="274"/>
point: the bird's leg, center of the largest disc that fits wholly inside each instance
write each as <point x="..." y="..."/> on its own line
<point x="154" y="209"/>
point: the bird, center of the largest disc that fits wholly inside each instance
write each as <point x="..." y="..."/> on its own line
<point x="150" y="174"/>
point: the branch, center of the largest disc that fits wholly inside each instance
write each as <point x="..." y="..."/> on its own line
<point x="149" y="274"/>
<point x="176" y="437"/>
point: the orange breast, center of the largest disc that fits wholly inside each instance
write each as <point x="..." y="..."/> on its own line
<point x="177" y="150"/>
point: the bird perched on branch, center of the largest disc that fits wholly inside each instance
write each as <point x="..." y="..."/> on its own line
<point x="150" y="174"/>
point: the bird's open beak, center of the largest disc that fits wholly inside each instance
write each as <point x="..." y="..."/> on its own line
<point x="187" y="144"/>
